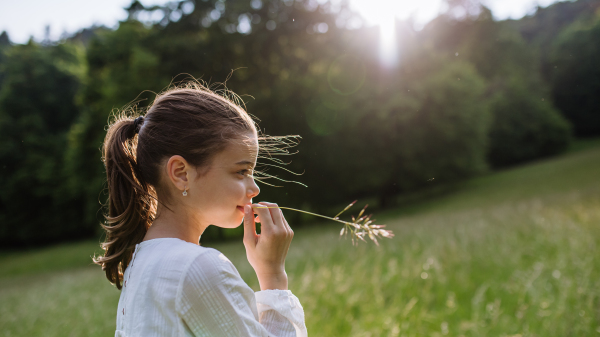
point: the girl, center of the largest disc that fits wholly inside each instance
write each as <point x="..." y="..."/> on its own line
<point x="185" y="165"/>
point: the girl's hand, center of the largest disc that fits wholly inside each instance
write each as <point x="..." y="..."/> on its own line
<point x="266" y="251"/>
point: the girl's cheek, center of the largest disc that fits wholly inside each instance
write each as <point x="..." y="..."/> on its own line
<point x="237" y="187"/>
<point x="242" y="187"/>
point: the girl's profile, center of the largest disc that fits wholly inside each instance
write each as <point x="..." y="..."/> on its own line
<point x="185" y="165"/>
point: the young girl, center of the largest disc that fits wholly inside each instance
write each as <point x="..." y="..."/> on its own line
<point x="185" y="165"/>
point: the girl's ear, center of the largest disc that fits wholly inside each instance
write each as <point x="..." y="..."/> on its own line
<point x="178" y="170"/>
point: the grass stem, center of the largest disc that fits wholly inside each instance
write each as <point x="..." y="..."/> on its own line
<point x="358" y="228"/>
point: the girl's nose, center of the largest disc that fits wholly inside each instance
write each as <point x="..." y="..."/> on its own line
<point x="253" y="190"/>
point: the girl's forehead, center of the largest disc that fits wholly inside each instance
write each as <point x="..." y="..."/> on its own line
<point x="244" y="149"/>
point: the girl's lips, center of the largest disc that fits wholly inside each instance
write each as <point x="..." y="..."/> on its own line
<point x="241" y="208"/>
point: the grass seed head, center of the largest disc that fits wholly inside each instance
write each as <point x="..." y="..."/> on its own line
<point x="357" y="229"/>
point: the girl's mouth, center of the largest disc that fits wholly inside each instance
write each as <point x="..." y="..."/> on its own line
<point x="241" y="208"/>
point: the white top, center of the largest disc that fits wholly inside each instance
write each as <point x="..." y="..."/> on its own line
<point x="176" y="288"/>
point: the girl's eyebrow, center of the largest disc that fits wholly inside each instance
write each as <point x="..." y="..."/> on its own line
<point x="244" y="162"/>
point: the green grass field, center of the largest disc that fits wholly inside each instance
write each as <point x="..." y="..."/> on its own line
<point x="514" y="253"/>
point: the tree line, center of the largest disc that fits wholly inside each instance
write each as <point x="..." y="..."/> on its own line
<point x="468" y="94"/>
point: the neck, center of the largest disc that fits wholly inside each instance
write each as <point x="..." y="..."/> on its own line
<point x="175" y="223"/>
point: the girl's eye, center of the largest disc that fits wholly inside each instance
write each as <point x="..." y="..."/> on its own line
<point x="245" y="172"/>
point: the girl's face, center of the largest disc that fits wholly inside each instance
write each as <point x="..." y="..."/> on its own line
<point x="219" y="193"/>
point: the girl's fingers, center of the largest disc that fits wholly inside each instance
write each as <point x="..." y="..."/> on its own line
<point x="264" y="215"/>
<point x="276" y="214"/>
<point x="284" y="221"/>
<point x="249" y="227"/>
<point x="288" y="226"/>
<point x="279" y="220"/>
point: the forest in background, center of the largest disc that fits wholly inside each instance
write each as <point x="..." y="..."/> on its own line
<point x="468" y="94"/>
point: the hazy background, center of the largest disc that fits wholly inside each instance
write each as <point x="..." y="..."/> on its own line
<point x="470" y="128"/>
<point x="390" y="110"/>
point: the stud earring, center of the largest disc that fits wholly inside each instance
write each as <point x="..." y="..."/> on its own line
<point x="184" y="191"/>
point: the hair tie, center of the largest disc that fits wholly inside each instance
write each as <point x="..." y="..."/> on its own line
<point x="137" y="123"/>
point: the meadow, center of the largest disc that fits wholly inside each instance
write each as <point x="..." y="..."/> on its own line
<point x="512" y="253"/>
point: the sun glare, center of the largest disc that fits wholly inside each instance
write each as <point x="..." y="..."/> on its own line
<point x="383" y="13"/>
<point x="388" y="49"/>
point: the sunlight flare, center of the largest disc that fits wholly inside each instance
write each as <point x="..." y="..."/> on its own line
<point x="384" y="13"/>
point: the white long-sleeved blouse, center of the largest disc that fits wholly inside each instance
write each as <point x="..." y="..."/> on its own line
<point x="176" y="288"/>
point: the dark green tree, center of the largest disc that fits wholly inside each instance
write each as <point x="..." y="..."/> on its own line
<point x="120" y="68"/>
<point x="430" y="128"/>
<point x="5" y="45"/>
<point x="524" y="126"/>
<point x="542" y="29"/>
<point x="37" y="106"/>
<point x="576" y="77"/>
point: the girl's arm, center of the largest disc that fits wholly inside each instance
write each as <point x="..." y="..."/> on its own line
<point x="214" y="300"/>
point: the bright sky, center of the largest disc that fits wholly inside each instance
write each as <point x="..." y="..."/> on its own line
<point x="425" y="10"/>
<point x="24" y="18"/>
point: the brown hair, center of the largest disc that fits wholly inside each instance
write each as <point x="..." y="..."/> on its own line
<point x="190" y="121"/>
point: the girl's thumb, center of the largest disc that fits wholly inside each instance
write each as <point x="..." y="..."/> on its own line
<point x="249" y="226"/>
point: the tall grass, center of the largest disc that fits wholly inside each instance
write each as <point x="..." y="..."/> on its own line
<point x="515" y="253"/>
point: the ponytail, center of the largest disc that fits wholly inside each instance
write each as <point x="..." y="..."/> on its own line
<point x="131" y="200"/>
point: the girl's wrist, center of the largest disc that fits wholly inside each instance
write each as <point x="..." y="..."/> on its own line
<point x="275" y="281"/>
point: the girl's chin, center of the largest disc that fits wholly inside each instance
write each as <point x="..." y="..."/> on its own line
<point x="239" y="220"/>
<point x="234" y="221"/>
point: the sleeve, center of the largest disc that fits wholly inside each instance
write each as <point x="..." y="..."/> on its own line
<point x="280" y="310"/>
<point x="213" y="300"/>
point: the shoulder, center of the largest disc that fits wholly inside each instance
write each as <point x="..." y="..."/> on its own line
<point x="174" y="259"/>
<point x="193" y="262"/>
<point x="209" y="267"/>
<point x="176" y="253"/>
